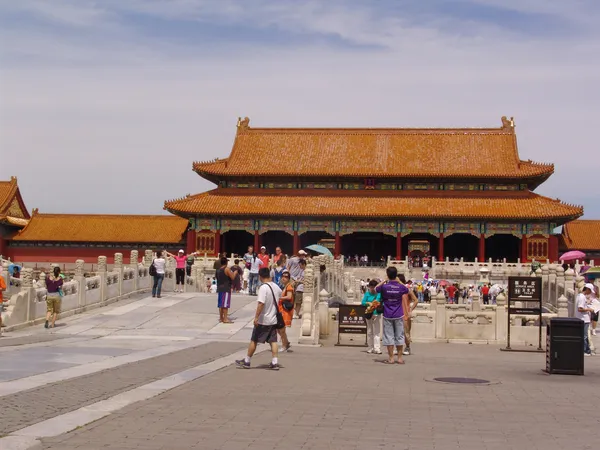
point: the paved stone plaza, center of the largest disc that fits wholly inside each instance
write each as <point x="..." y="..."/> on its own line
<point x="157" y="374"/>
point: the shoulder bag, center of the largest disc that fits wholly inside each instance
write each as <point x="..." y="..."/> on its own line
<point x="152" y="269"/>
<point x="280" y="322"/>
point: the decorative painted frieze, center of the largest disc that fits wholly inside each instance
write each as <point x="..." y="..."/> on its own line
<point x="276" y="225"/>
<point x="316" y="225"/>
<point x="457" y="227"/>
<point x="503" y="228"/>
<point x="351" y="226"/>
<point x="409" y="227"/>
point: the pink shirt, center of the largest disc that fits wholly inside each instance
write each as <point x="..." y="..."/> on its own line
<point x="181" y="261"/>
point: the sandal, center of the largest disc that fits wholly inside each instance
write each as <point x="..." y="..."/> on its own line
<point x="401" y="362"/>
<point x="387" y="361"/>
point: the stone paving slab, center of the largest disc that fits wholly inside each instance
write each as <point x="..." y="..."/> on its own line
<point x="29" y="407"/>
<point x="31" y="339"/>
<point x="343" y="398"/>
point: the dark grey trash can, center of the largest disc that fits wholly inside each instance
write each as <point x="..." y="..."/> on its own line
<point x="564" y="346"/>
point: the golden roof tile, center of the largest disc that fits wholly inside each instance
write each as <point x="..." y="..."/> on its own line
<point x="582" y="235"/>
<point x="372" y="152"/>
<point x="376" y="204"/>
<point x="104" y="228"/>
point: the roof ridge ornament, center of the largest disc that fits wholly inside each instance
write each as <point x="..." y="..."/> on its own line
<point x="243" y="124"/>
<point x="508" y="124"/>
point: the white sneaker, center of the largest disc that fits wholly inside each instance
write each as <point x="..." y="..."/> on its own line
<point x="587" y="354"/>
<point x="406" y="352"/>
<point x="377" y="352"/>
<point x="370" y="351"/>
<point x="395" y="352"/>
<point x="593" y="332"/>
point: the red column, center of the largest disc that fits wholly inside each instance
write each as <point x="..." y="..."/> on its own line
<point x="553" y="249"/>
<point x="190" y="241"/>
<point x="524" y="249"/>
<point x="398" y="246"/>
<point x="256" y="241"/>
<point x="337" y="251"/>
<point x="441" y="247"/>
<point x="3" y="247"/>
<point x="481" y="256"/>
<point x="217" y="242"/>
<point x="296" y="243"/>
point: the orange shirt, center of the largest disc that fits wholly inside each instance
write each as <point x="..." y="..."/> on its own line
<point x="2" y="287"/>
<point x="264" y="258"/>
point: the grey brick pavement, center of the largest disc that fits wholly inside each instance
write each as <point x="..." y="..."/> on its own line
<point x="26" y="408"/>
<point x="342" y="398"/>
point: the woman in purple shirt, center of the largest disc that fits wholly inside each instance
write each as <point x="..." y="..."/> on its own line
<point x="54" y="283"/>
<point x="395" y="303"/>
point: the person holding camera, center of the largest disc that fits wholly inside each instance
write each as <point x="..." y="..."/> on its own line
<point x="395" y="313"/>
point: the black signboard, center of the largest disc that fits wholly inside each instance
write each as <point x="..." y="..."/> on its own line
<point x="351" y="320"/>
<point x="528" y="291"/>
<point x="524" y="289"/>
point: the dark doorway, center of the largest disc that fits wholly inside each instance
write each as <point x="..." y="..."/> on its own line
<point x="374" y="245"/>
<point x="461" y="246"/>
<point x="417" y="237"/>
<point x="313" y="237"/>
<point x="236" y="241"/>
<point x="500" y="246"/>
<point x="273" y="239"/>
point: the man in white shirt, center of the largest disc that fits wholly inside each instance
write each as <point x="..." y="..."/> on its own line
<point x="265" y="320"/>
<point x="583" y="312"/>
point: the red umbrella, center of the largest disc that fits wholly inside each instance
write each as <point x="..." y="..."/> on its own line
<point x="444" y="283"/>
<point x="572" y="255"/>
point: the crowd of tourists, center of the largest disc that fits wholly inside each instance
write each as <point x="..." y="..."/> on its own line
<point x="453" y="292"/>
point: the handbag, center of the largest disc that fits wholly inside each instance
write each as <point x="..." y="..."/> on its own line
<point x="280" y="322"/>
<point x="152" y="269"/>
<point x="287" y="305"/>
<point x="380" y="308"/>
<point x="369" y="316"/>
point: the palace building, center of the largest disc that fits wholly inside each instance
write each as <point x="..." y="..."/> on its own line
<point x="459" y="192"/>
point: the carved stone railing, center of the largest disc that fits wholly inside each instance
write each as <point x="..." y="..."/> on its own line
<point x="26" y="306"/>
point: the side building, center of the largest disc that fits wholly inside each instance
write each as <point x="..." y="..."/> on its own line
<point x="382" y="192"/>
<point x="582" y="235"/>
<point x="63" y="238"/>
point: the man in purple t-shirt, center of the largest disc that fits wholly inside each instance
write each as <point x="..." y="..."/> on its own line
<point x="395" y="303"/>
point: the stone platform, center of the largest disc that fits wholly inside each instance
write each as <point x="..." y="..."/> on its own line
<point x="144" y="375"/>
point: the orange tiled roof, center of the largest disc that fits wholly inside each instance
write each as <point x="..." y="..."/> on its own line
<point x="103" y="228"/>
<point x="582" y="235"/>
<point x="253" y="202"/>
<point x="11" y="203"/>
<point x="396" y="152"/>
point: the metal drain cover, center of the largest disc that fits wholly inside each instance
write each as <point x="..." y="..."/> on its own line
<point x="461" y="380"/>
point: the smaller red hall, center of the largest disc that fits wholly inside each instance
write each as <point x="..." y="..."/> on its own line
<point x="63" y="238"/>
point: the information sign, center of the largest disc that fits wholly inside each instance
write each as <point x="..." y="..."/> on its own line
<point x="351" y="320"/>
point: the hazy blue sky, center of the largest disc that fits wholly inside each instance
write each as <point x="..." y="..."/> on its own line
<point x="105" y="104"/>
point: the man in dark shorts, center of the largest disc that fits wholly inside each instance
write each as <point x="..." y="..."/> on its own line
<point x="225" y="277"/>
<point x="265" y="320"/>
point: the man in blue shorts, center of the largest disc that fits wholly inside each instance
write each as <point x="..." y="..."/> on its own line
<point x="225" y="279"/>
<point x="395" y="304"/>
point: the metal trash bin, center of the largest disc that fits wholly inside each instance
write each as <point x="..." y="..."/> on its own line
<point x="564" y="346"/>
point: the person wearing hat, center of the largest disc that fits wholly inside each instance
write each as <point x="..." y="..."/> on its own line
<point x="264" y="256"/>
<point x="181" y="260"/>
<point x="583" y="312"/>
<point x="295" y="266"/>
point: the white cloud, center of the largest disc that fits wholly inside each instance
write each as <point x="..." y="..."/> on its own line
<point x="114" y="124"/>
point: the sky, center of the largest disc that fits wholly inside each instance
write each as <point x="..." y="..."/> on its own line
<point x="105" y="104"/>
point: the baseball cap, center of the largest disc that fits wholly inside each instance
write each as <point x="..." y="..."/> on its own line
<point x="302" y="252"/>
<point x="263" y="247"/>
<point x="181" y="251"/>
<point x="589" y="286"/>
